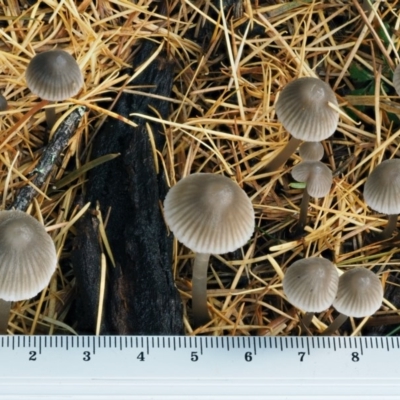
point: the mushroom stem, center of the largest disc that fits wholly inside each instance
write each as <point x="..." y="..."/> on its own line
<point x="284" y="155"/>
<point x="50" y="116"/>
<point x="306" y="321"/>
<point x="335" y="325"/>
<point x="390" y="227"/>
<point x="199" y="289"/>
<point x="305" y="201"/>
<point x="5" y="307"/>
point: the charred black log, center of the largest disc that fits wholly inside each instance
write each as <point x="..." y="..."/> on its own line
<point x="141" y="297"/>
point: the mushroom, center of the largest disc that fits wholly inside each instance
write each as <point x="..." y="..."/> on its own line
<point x="55" y="76"/>
<point x="311" y="285"/>
<point x="28" y="259"/>
<point x="311" y="151"/>
<point x="303" y="109"/>
<point x="359" y="295"/>
<point x="382" y="193"/>
<point x="318" y="179"/>
<point x="209" y="214"/>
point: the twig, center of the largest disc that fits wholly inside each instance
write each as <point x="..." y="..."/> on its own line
<point x="49" y="156"/>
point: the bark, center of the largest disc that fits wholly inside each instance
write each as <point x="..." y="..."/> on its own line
<point x="141" y="297"/>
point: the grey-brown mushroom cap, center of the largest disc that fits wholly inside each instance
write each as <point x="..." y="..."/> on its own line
<point x="303" y="109"/>
<point x="311" y="151"/>
<point x="311" y="284"/>
<point x="396" y="79"/>
<point x="28" y="257"/>
<point x="209" y="213"/>
<point x="382" y="188"/>
<point x="54" y="75"/>
<point x="316" y="175"/>
<point x="360" y="293"/>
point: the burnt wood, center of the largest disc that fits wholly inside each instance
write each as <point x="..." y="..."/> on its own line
<point x="141" y="297"/>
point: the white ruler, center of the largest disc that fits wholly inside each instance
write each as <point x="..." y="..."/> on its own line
<point x="177" y="367"/>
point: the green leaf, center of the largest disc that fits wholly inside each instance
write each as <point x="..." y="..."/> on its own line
<point x="384" y="35"/>
<point x="297" y="185"/>
<point x="360" y="74"/>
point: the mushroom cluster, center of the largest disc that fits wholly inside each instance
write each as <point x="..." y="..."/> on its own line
<point x="306" y="108"/>
<point x="313" y="285"/>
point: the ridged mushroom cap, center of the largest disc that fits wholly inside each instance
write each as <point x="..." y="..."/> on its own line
<point x="209" y="213"/>
<point x="360" y="293"/>
<point x="382" y="188"/>
<point x="27" y="256"/>
<point x="303" y="109"/>
<point x="311" y="284"/>
<point x="316" y="175"/>
<point x="396" y="79"/>
<point x="54" y="75"/>
<point x="311" y="151"/>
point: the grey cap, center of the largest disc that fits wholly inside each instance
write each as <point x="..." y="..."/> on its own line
<point x="360" y="293"/>
<point x="28" y="257"/>
<point x="311" y="284"/>
<point x="382" y="188"/>
<point x="54" y="75"/>
<point x="316" y="175"/>
<point x="303" y="109"/>
<point x="209" y="213"/>
<point x="311" y="151"/>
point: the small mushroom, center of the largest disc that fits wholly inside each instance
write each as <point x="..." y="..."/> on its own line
<point x="209" y="214"/>
<point x="382" y="193"/>
<point x="318" y="179"/>
<point x="303" y="109"/>
<point x="311" y="285"/>
<point x="359" y="295"/>
<point x="28" y="259"/>
<point x="311" y="151"/>
<point x="55" y="76"/>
